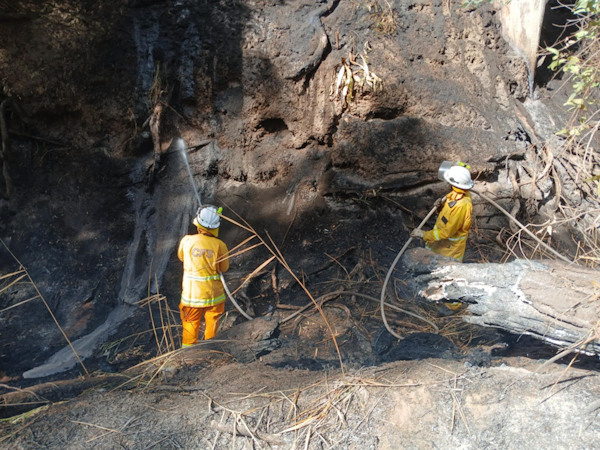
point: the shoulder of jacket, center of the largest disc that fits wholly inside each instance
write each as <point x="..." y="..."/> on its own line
<point x="463" y="202"/>
<point x="464" y="199"/>
<point x="466" y="203"/>
<point x="191" y="238"/>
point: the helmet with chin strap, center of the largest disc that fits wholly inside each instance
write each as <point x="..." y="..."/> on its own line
<point x="208" y="217"/>
<point x="459" y="176"/>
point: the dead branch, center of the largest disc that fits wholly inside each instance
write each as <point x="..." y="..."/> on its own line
<point x="332" y="295"/>
<point x="516" y="192"/>
<point x="22" y="400"/>
<point x="520" y="225"/>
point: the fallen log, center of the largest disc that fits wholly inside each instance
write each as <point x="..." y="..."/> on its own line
<point x="555" y="302"/>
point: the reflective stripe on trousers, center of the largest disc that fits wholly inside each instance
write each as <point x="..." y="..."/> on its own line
<point x="202" y="302"/>
<point x="191" y="319"/>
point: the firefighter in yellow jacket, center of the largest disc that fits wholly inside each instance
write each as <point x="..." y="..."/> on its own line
<point x="451" y="229"/>
<point x="204" y="256"/>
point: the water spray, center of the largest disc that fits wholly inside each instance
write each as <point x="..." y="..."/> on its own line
<point x="181" y="147"/>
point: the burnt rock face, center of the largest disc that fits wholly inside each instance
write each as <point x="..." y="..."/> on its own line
<point x="101" y="197"/>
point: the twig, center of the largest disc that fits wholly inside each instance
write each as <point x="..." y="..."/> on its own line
<point x="254" y="273"/>
<point x="593" y="334"/>
<point x="331" y="295"/>
<point x="27" y="425"/>
<point x="593" y="407"/>
<point x="13" y="282"/>
<point x="453" y="409"/>
<point x="308" y="436"/>
<point x="110" y="430"/>
<point x="271" y="439"/>
<point x="520" y="225"/>
<point x="20" y="303"/>
<point x="460" y="411"/>
<point x="157" y="442"/>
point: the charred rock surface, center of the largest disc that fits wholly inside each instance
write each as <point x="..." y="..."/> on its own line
<point x="247" y="85"/>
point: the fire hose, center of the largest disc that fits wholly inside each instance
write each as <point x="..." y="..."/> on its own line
<point x="181" y="146"/>
<point x="236" y="304"/>
<point x="401" y="252"/>
<point x="389" y="274"/>
<point x="399" y="255"/>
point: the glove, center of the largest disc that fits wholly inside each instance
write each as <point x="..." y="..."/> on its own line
<point x="439" y="202"/>
<point x="417" y="233"/>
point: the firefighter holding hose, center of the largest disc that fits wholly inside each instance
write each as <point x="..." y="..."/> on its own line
<point x="451" y="229"/>
<point x="204" y="257"/>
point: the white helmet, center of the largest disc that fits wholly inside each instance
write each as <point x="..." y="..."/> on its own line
<point x="208" y="217"/>
<point x="459" y="177"/>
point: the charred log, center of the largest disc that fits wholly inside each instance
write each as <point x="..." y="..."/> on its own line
<point x="551" y="300"/>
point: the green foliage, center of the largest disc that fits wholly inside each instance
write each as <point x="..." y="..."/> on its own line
<point x="587" y="7"/>
<point x="578" y="56"/>
<point x="474" y="3"/>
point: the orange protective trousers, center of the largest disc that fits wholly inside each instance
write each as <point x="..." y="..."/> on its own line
<point x="191" y="318"/>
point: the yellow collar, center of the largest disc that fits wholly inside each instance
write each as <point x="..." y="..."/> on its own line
<point x="208" y="231"/>
<point x="456" y="194"/>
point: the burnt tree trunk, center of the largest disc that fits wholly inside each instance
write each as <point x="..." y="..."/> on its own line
<point x="552" y="301"/>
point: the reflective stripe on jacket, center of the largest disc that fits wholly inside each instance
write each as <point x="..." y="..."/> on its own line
<point x="203" y="256"/>
<point x="449" y="235"/>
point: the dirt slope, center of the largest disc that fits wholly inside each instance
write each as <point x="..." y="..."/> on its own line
<point x="406" y="404"/>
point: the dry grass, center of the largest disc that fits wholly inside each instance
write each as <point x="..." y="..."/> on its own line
<point x="165" y="337"/>
<point x="23" y="274"/>
<point x="276" y="255"/>
<point x="383" y="16"/>
<point x="309" y="415"/>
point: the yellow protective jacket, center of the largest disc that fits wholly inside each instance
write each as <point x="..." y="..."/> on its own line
<point x="203" y="256"/>
<point x="449" y="235"/>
